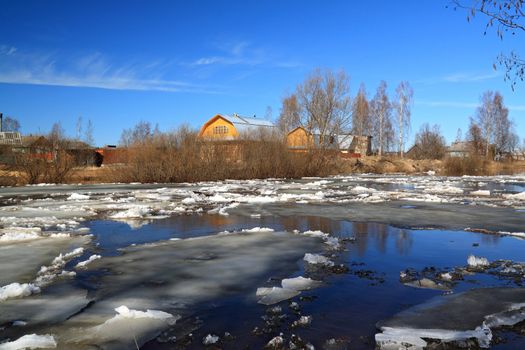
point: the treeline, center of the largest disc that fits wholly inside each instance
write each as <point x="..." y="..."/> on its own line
<point x="322" y="104"/>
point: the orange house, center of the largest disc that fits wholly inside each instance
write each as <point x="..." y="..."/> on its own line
<point x="225" y="128"/>
<point x="299" y="139"/>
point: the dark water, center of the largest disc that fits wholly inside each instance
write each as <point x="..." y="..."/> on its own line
<point x="348" y="306"/>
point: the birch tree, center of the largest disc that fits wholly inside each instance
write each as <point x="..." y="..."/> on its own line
<point x="88" y="133"/>
<point x="381" y="111"/>
<point x="492" y="117"/>
<point x="361" y="119"/>
<point x="289" y="118"/>
<point x="404" y="100"/>
<point x="485" y="119"/>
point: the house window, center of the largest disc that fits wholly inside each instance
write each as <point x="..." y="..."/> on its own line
<point x="220" y="130"/>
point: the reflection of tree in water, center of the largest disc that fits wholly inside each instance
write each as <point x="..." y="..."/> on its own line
<point x="404" y="242"/>
<point x="303" y="223"/>
<point x="378" y="234"/>
<point x="360" y="230"/>
<point x="490" y="239"/>
<point x="366" y="232"/>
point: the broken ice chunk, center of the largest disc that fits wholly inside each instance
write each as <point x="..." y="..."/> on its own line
<point x="77" y="197"/>
<point x="270" y="296"/>
<point x="316" y="259"/>
<point x="83" y="264"/>
<point x="31" y="341"/>
<point x="299" y="283"/>
<point x="474" y="261"/>
<point x="426" y="283"/>
<point x="303" y="321"/>
<point x="210" y="339"/>
<point x="275" y="343"/>
<point x="257" y="229"/>
<point x="17" y="290"/>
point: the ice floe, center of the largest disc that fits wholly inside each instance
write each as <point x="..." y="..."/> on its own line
<point x="78" y="197"/>
<point x="317" y="259"/>
<point x="474" y="261"/>
<point x="453" y="319"/>
<point x="17" y="290"/>
<point x="12" y="234"/>
<point x="31" y="341"/>
<point x="299" y="283"/>
<point x="83" y="264"/>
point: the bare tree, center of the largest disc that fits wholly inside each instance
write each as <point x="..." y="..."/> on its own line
<point x="404" y="100"/>
<point x="324" y="103"/>
<point x="459" y="135"/>
<point x="88" y="133"/>
<point x="361" y="118"/>
<point x="290" y="116"/>
<point x="503" y="128"/>
<point x="79" y="127"/>
<point x="508" y="17"/>
<point x="381" y="111"/>
<point x="492" y="117"/>
<point x="486" y="119"/>
<point x="268" y="113"/>
<point x="140" y="133"/>
<point x="430" y="143"/>
<point x="475" y="138"/>
<point x="57" y="135"/>
<point x="10" y="124"/>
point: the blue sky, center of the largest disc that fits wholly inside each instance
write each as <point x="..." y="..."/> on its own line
<point x="175" y="62"/>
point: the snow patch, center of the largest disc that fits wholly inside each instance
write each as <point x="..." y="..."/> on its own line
<point x="257" y="229"/>
<point x="77" y="197"/>
<point x="14" y="234"/>
<point x="135" y="212"/>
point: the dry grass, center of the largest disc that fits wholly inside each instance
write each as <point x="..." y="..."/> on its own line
<point x="181" y="157"/>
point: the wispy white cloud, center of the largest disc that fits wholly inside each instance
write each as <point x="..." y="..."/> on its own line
<point x="470" y="77"/>
<point x="460" y="77"/>
<point x="464" y="105"/>
<point x="90" y="71"/>
<point x="242" y="53"/>
<point x="447" y="104"/>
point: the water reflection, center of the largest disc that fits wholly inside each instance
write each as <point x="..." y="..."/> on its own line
<point x="349" y="304"/>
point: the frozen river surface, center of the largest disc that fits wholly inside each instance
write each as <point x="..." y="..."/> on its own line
<point x="353" y="262"/>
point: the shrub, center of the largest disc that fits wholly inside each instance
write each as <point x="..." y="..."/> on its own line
<point x="180" y="156"/>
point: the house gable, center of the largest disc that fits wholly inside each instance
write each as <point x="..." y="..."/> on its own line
<point x="218" y="128"/>
<point x="298" y="138"/>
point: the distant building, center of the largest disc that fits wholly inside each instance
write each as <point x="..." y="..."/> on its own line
<point x="226" y="128"/>
<point x="10" y="138"/>
<point x="460" y="149"/>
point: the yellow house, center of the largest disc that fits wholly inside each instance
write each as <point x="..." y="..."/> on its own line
<point x="299" y="138"/>
<point x="224" y="128"/>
